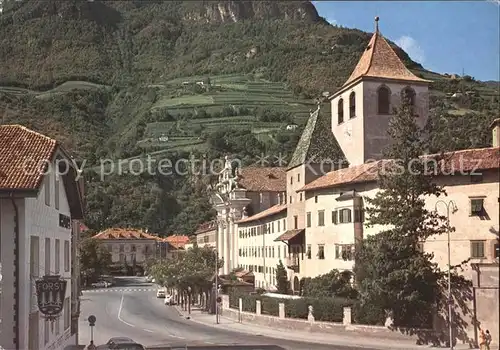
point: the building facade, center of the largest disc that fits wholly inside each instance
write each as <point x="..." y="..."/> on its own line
<point x="237" y="193"/>
<point x="334" y="170"/>
<point x="206" y="234"/>
<point x="258" y="250"/>
<point x="40" y="205"/>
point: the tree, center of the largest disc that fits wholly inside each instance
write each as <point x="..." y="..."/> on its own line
<point x="94" y="259"/>
<point x="331" y="284"/>
<point x="391" y="270"/>
<point x="282" y="278"/>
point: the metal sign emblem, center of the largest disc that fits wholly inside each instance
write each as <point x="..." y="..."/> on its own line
<point x="50" y="292"/>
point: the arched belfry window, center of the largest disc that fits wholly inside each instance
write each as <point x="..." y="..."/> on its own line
<point x="384" y="100"/>
<point x="352" y="105"/>
<point x="409" y="94"/>
<point x="340" y="111"/>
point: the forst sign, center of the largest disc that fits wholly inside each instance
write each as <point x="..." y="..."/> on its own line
<point x="50" y="292"/>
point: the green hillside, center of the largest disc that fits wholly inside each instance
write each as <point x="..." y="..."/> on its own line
<point x="122" y="80"/>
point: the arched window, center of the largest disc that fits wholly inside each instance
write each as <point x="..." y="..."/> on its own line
<point x="340" y="111"/>
<point x="352" y="105"/>
<point x="384" y="100"/>
<point x="409" y="94"/>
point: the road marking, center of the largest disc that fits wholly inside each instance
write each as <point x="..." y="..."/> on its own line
<point x="120" y="311"/>
<point x="147" y="330"/>
<point x="175" y="336"/>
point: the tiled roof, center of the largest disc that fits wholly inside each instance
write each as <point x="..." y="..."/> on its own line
<point x="317" y="143"/>
<point x="288" y="235"/>
<point x="262" y="179"/>
<point x="23" y="152"/>
<point x="278" y="208"/>
<point x="355" y="174"/>
<point x="451" y="163"/>
<point x="124" y="233"/>
<point x="206" y="226"/>
<point x="176" y="241"/>
<point x="379" y="60"/>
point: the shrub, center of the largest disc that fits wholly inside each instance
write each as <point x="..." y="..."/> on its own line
<point x="369" y="314"/>
<point x="270" y="306"/>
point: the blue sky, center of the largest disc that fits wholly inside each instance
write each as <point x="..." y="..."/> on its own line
<point x="444" y="36"/>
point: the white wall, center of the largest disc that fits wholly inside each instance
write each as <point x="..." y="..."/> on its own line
<point x="36" y="218"/>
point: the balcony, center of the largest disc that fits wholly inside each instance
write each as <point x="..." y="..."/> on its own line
<point x="293" y="262"/>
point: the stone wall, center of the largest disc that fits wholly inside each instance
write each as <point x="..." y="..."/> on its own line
<point x="310" y="325"/>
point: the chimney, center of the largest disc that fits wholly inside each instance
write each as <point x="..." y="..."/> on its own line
<point x="495" y="127"/>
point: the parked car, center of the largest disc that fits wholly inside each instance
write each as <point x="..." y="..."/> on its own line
<point x="161" y="293"/>
<point x="122" y="343"/>
<point x="169" y="300"/>
<point x="149" y="279"/>
<point x="101" y="284"/>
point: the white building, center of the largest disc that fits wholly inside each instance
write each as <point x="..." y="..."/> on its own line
<point x="37" y="206"/>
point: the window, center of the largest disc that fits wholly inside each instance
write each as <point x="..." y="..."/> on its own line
<point x="295" y="222"/>
<point x="345" y="216"/>
<point x="338" y="251"/>
<point x="132" y="248"/>
<point x="279" y="252"/>
<point x="290" y="199"/>
<point x="57" y="257"/>
<point x="301" y="196"/>
<point x="47" y="256"/>
<point x="284" y="224"/>
<point x="344" y="251"/>
<point x="359" y="215"/>
<point x="321" y="218"/>
<point x="409" y="94"/>
<point x="272" y="252"/>
<point x="56" y="191"/>
<point x="335" y="217"/>
<point x="122" y="248"/>
<point x="321" y="251"/>
<point x="122" y="258"/>
<point x="67" y="313"/>
<point x="47" y="189"/>
<point x="497" y="250"/>
<point x="352" y="105"/>
<point x="476" y="206"/>
<point x="260" y="197"/>
<point x="477" y="249"/>
<point x="291" y="180"/>
<point x="308" y="218"/>
<point x="384" y="100"/>
<point x="308" y="251"/>
<point x="298" y="177"/>
<point x="66" y="256"/>
<point x="315" y="199"/>
<point x="340" y="111"/>
<point x="279" y="225"/>
<point x="272" y="227"/>
<point x="34" y="256"/>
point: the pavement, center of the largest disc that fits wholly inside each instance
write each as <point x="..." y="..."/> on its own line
<point x="123" y="310"/>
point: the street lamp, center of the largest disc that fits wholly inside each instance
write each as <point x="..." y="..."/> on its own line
<point x="449" y="205"/>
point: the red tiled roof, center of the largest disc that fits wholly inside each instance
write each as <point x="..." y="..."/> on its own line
<point x="260" y="179"/>
<point x="206" y="226"/>
<point x="380" y="61"/>
<point x="288" y="235"/>
<point x="177" y="242"/>
<point x="355" y="174"/>
<point x="124" y="233"/>
<point x="278" y="208"/>
<point x="24" y="154"/>
<point x="450" y="163"/>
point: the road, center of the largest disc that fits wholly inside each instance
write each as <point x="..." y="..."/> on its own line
<point x="131" y="309"/>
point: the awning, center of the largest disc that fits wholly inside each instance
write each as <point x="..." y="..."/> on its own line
<point x="288" y="235"/>
<point x="344" y="196"/>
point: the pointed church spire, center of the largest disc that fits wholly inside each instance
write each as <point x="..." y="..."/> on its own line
<point x="379" y="60"/>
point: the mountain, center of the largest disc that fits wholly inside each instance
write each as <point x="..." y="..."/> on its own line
<point x="127" y="79"/>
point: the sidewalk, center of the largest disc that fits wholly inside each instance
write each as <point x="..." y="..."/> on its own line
<point x="352" y="339"/>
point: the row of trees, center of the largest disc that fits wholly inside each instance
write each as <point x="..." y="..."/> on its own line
<point x="192" y="271"/>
